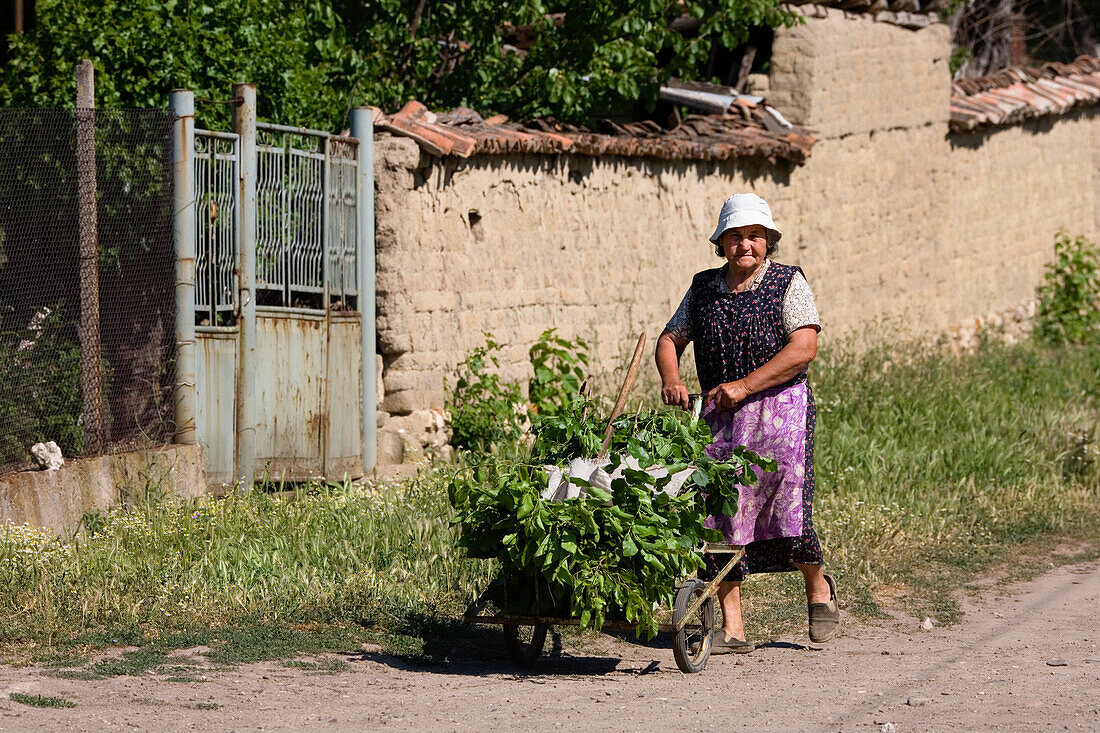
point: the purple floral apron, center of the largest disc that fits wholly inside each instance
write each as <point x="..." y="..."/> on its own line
<point x="772" y="423"/>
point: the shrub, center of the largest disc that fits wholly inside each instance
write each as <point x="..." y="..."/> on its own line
<point x="559" y="369"/>
<point x="485" y="411"/>
<point x="1069" y="299"/>
<point x="40" y="392"/>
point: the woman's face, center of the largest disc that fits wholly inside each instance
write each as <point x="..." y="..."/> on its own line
<point x="745" y="246"/>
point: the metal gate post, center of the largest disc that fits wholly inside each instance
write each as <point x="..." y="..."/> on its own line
<point x="244" y="124"/>
<point x="183" y="235"/>
<point x="362" y="129"/>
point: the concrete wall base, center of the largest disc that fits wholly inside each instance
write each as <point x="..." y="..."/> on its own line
<point x="57" y="500"/>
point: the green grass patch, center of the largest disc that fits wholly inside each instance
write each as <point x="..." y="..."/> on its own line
<point x="41" y="701"/>
<point x="131" y="663"/>
<point x="931" y="469"/>
<point x="207" y="706"/>
<point x="244" y="644"/>
<point x="60" y="657"/>
<point x="324" y="666"/>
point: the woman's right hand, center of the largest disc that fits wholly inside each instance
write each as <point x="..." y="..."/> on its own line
<point x="676" y="394"/>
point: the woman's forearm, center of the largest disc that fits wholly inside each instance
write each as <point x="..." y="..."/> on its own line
<point x="667" y="356"/>
<point x="787" y="364"/>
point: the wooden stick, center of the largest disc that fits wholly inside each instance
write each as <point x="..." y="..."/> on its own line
<point x="584" y="393"/>
<point x="628" y="384"/>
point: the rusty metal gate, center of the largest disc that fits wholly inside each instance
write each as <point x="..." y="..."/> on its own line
<point x="281" y="315"/>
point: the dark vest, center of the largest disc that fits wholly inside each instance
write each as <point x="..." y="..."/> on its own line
<point x="736" y="333"/>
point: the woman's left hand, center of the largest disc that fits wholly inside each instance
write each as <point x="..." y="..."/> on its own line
<point x="729" y="395"/>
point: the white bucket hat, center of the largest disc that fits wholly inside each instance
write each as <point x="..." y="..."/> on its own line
<point x="743" y="209"/>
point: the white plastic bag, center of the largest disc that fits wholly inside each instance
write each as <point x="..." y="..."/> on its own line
<point x="592" y="471"/>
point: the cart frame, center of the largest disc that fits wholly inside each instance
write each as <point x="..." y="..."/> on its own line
<point x="694" y="600"/>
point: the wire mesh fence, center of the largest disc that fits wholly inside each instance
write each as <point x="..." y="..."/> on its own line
<point x="87" y="281"/>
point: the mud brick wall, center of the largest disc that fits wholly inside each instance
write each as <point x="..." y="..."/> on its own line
<point x="517" y="244"/>
<point x="892" y="217"/>
<point x="844" y="74"/>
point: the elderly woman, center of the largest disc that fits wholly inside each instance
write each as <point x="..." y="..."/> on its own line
<point x="755" y="326"/>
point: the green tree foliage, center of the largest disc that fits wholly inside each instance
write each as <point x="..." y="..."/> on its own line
<point x="296" y="51"/>
<point x="315" y="59"/>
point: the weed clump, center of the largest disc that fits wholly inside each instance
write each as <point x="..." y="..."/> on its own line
<point x="41" y="701"/>
<point x="1069" y="299"/>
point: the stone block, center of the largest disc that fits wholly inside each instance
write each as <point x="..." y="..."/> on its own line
<point x="391" y="448"/>
<point x="380" y="385"/>
<point x="395" y="153"/>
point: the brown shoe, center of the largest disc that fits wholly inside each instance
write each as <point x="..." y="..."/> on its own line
<point x="824" y="617"/>
<point x="723" y="643"/>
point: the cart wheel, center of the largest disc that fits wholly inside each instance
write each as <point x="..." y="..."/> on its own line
<point x="696" y="632"/>
<point x="524" y="643"/>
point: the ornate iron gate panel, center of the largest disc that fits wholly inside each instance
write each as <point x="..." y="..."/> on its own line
<point x="306" y="207"/>
<point x="342" y="222"/>
<point x="217" y="165"/>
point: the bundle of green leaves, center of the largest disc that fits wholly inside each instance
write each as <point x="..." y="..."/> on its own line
<point x="616" y="553"/>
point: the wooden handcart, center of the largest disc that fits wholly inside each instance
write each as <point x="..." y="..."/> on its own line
<point x="693" y="616"/>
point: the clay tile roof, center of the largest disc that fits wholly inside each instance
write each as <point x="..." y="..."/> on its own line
<point x="1018" y="94"/>
<point x="742" y="131"/>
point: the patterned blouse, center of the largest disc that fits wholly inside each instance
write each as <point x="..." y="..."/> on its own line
<point x="799" y="308"/>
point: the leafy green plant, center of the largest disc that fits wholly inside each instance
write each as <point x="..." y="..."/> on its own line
<point x="959" y="56"/>
<point x="559" y="365"/>
<point x="1069" y="299"/>
<point x="485" y="410"/>
<point x="617" y="552"/>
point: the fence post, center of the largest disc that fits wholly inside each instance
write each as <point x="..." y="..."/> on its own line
<point x="362" y="129"/>
<point x="91" y="375"/>
<point x="182" y="103"/>
<point x="244" y="124"/>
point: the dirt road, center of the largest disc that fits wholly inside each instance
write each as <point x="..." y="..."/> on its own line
<point x="1028" y="660"/>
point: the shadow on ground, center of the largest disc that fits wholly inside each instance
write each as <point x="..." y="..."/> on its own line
<point x="449" y="646"/>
